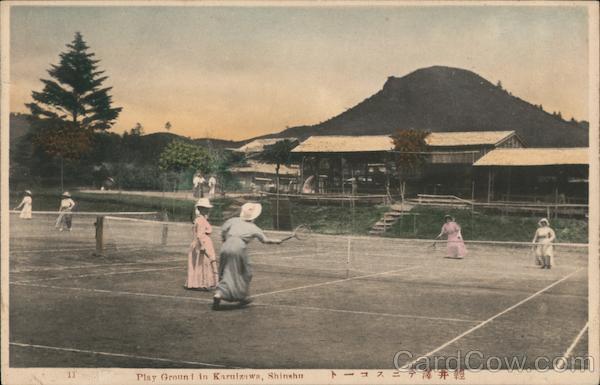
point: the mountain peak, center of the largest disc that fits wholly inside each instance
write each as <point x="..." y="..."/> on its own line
<point x="448" y="99"/>
<point x="434" y="76"/>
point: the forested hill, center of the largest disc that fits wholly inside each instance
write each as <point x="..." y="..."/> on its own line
<point x="145" y="147"/>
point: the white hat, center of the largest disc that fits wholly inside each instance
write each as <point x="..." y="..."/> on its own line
<point x="543" y="220"/>
<point x="250" y="211"/>
<point x="66" y="194"/>
<point x="203" y="202"/>
<point x="28" y="192"/>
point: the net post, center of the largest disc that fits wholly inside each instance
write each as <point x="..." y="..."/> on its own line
<point x="99" y="235"/>
<point x="165" y="229"/>
<point x="414" y="223"/>
<point x="348" y="258"/>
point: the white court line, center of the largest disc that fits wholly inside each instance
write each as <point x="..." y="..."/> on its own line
<point x="207" y="300"/>
<point x="73" y="350"/>
<point x="114" y="292"/>
<point x="490" y="319"/>
<point x="100" y="274"/>
<point x="561" y="364"/>
<point x="93" y="248"/>
<point x="13" y="251"/>
<point x="392" y="315"/>
<point x="92" y="266"/>
<point x="336" y="281"/>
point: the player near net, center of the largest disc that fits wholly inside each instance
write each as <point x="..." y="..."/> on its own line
<point x="543" y="244"/>
<point x="25" y="206"/>
<point x="455" y="245"/>
<point x="65" y="218"/>
<point x="235" y="272"/>
<point x="202" y="262"/>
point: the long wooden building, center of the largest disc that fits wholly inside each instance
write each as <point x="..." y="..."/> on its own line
<point x="335" y="162"/>
<point x="255" y="175"/>
<point x="541" y="174"/>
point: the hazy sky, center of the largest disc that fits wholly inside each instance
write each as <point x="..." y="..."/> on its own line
<point x="237" y="72"/>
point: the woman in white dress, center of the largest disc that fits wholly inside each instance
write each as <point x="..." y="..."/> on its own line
<point x="25" y="206"/>
<point x="543" y="244"/>
<point x="212" y="186"/>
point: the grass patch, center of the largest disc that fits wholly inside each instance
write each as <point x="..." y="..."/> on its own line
<point x="327" y="219"/>
<point x="480" y="226"/>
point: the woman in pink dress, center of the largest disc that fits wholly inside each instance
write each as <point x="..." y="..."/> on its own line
<point x="455" y="247"/>
<point x="202" y="261"/>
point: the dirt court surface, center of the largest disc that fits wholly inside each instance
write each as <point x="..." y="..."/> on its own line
<point x="327" y="302"/>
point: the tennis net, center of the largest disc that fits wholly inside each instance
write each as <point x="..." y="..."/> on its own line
<point x="53" y="228"/>
<point x="322" y="255"/>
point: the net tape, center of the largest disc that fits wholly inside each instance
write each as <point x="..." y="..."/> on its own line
<point x="320" y="254"/>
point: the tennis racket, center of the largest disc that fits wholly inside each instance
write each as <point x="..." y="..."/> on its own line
<point x="301" y="233"/>
<point x="59" y="219"/>
<point x="537" y="261"/>
<point x="433" y="245"/>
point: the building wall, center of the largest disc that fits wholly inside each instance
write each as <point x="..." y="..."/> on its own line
<point x="562" y="183"/>
<point x="266" y="182"/>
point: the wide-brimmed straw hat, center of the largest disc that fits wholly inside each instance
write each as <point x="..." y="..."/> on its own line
<point x="66" y="194"/>
<point x="203" y="202"/>
<point x="28" y="192"/>
<point x="250" y="211"/>
<point x="543" y="220"/>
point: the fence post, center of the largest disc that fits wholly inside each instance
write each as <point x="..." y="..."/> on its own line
<point x="99" y="235"/>
<point x="165" y="229"/>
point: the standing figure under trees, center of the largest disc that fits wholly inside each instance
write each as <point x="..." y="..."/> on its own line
<point x="72" y="106"/>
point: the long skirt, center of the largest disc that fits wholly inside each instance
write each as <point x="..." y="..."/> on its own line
<point x="235" y="272"/>
<point x="64" y="220"/>
<point x="455" y="247"/>
<point x="202" y="273"/>
<point x="25" y="212"/>
<point x="544" y="252"/>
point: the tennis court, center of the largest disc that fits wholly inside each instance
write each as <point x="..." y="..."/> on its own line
<point x="325" y="302"/>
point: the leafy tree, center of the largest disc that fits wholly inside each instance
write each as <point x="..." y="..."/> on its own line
<point x="179" y="157"/>
<point x="279" y="154"/>
<point x="221" y="163"/>
<point x="410" y="151"/>
<point x="72" y="105"/>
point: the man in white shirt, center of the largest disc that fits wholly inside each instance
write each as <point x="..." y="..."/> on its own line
<point x="198" y="181"/>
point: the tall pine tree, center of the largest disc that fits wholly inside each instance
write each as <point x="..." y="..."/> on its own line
<point x="73" y="104"/>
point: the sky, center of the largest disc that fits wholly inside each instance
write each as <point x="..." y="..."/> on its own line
<point x="235" y="72"/>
